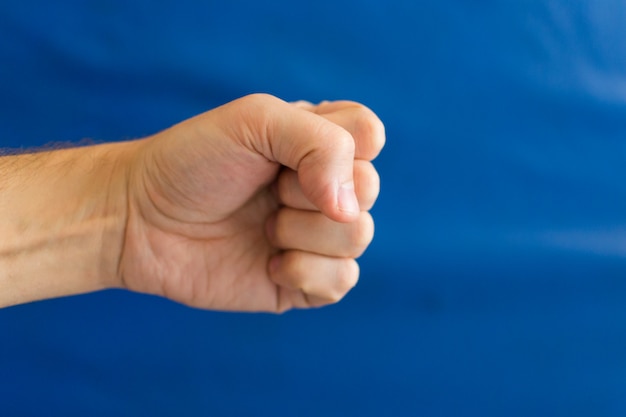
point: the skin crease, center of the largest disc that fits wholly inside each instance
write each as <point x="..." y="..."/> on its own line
<point x="257" y="205"/>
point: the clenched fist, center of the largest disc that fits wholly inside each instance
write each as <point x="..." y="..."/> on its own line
<point x="258" y="205"/>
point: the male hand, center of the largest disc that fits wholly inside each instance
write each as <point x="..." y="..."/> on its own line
<point x="258" y="205"/>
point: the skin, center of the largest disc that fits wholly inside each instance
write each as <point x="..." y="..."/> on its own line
<point x="258" y="205"/>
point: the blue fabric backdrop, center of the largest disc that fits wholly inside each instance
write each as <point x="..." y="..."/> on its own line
<point x="496" y="285"/>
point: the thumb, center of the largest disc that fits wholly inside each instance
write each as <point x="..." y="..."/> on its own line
<point x="319" y="150"/>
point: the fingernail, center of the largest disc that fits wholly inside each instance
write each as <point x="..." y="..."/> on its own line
<point x="346" y="198"/>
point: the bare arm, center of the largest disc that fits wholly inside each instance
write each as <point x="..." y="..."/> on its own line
<point x="62" y="219"/>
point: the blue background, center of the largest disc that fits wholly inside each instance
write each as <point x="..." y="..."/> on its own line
<point x="496" y="284"/>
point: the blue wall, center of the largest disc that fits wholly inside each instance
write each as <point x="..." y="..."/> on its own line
<point x="496" y="285"/>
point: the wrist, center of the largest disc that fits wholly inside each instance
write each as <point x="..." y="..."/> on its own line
<point x="116" y="161"/>
<point x="62" y="219"/>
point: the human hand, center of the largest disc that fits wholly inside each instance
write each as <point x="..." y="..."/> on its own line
<point x="258" y="205"/>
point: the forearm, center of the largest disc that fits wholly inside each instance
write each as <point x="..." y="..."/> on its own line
<point x="62" y="220"/>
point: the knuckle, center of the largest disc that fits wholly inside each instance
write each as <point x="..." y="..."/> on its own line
<point x="259" y="99"/>
<point x="343" y="140"/>
<point x="348" y="277"/>
<point x="294" y="269"/>
<point x="256" y="113"/>
<point x="331" y="142"/>
<point x="367" y="183"/>
<point x="333" y="297"/>
<point x="362" y="234"/>
<point x="253" y="104"/>
<point x="260" y="108"/>
<point x="368" y="125"/>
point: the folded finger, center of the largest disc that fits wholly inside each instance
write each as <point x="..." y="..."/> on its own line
<point x="362" y="123"/>
<point x="312" y="231"/>
<point x="311" y="280"/>
<point x="366" y="183"/>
